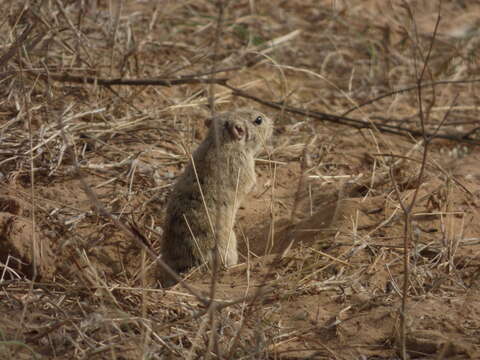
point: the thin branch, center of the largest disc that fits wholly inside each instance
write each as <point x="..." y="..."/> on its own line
<point x="407" y="210"/>
<point x="410" y="88"/>
<point x="358" y="124"/>
<point x="133" y="82"/>
<point x="355" y="123"/>
<point x="18" y="43"/>
<point x="426" y="137"/>
<point x="213" y="315"/>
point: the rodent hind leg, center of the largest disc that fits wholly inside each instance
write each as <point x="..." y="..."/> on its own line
<point x="229" y="253"/>
<point x="180" y="259"/>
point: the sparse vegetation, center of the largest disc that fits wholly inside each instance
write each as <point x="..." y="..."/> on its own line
<point x="102" y="103"/>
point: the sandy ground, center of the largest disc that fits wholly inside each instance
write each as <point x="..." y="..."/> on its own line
<point x="322" y="236"/>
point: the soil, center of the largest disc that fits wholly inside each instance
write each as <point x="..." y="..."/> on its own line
<point x="324" y="235"/>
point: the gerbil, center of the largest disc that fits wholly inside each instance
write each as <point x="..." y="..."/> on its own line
<point x="224" y="165"/>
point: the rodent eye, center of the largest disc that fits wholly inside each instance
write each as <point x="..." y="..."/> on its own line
<point x="258" y="120"/>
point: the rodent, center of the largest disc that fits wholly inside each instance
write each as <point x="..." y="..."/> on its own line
<point x="224" y="164"/>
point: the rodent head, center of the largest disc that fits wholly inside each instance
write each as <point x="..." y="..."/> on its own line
<point x="247" y="127"/>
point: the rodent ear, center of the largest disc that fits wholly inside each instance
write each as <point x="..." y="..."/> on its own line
<point x="208" y="122"/>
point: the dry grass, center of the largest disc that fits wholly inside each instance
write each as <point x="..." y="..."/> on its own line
<point x="323" y="234"/>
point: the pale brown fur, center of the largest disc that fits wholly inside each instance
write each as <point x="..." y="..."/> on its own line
<point x="225" y="166"/>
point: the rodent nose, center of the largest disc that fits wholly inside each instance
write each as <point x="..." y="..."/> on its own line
<point x="237" y="131"/>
